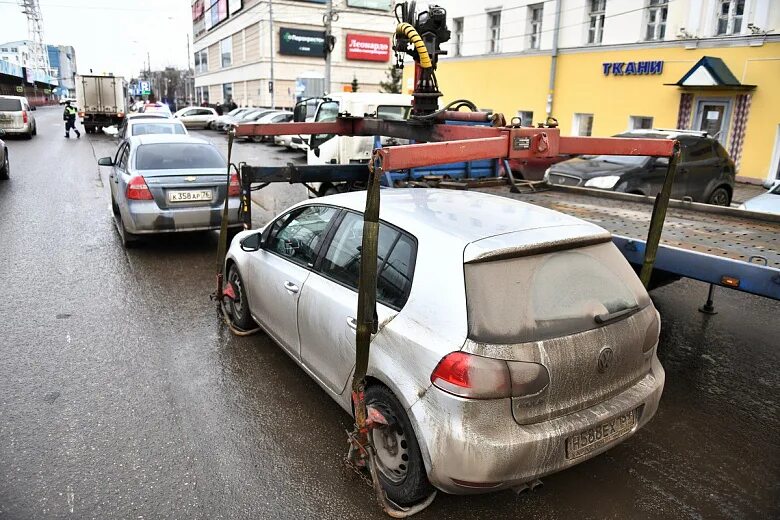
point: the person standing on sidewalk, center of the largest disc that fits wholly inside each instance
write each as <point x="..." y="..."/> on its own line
<point x="69" y="116"/>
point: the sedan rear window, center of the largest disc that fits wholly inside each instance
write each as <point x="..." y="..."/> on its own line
<point x="158" y="128"/>
<point x="10" y="105"/>
<point x="174" y="156"/>
<point x="549" y="295"/>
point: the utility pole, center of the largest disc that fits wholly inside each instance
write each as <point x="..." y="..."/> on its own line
<point x="327" y="18"/>
<point x="271" y="86"/>
<point x="188" y="75"/>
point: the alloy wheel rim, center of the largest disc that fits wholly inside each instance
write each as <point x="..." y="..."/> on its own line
<point x="720" y="198"/>
<point x="392" y="449"/>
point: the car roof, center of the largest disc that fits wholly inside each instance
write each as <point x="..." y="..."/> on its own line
<point x="467" y="216"/>
<point x="166" y="139"/>
<point x="155" y="119"/>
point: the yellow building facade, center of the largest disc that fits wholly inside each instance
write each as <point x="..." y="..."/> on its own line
<point x="604" y="91"/>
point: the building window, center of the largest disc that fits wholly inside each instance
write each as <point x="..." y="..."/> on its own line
<point x="535" y="25"/>
<point x="202" y="61"/>
<point x="202" y="94"/>
<point x="457" y="37"/>
<point x="494" y="31"/>
<point x="227" y="92"/>
<point x="730" y="16"/>
<point x="656" y="19"/>
<point x="526" y="117"/>
<point x="640" y="122"/>
<point x="226" y="51"/>
<point x="596" y="27"/>
<point x="583" y="124"/>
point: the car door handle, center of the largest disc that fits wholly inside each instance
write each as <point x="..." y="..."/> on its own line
<point x="352" y="323"/>
<point x="291" y="287"/>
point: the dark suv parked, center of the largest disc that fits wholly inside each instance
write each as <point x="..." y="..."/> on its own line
<point x="705" y="172"/>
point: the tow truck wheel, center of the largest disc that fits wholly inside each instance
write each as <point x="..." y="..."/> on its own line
<point x="399" y="462"/>
<point x="239" y="308"/>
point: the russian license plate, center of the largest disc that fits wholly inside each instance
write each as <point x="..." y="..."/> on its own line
<point x="596" y="437"/>
<point x="189" y="195"/>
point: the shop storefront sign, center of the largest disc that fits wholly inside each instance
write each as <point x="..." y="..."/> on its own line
<point x="298" y="42"/>
<point x="368" y="48"/>
<point x="633" y="68"/>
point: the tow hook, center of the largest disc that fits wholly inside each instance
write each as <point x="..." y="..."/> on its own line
<point x="528" y="486"/>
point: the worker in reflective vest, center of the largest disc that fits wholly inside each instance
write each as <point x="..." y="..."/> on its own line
<point x="69" y="116"/>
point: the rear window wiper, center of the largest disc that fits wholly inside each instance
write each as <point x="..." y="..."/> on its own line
<point x="616" y="315"/>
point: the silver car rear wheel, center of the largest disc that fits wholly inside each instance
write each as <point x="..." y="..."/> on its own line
<point x="392" y="448"/>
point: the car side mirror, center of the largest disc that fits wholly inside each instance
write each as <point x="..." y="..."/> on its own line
<point x="316" y="151"/>
<point x="106" y="161"/>
<point x="33" y="108"/>
<point x="767" y="185"/>
<point x="252" y="242"/>
<point x="661" y="162"/>
<point x="299" y="113"/>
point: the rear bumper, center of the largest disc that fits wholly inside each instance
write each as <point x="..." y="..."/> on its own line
<point x="146" y="217"/>
<point x="479" y="441"/>
<point x="19" y="130"/>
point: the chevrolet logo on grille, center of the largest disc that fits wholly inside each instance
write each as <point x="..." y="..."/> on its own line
<point x="190" y="178"/>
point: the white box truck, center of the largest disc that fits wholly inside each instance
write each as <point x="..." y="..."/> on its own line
<point x="101" y="101"/>
<point x="342" y="149"/>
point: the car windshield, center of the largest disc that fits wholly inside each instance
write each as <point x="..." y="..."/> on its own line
<point x="157" y="128"/>
<point x="538" y="297"/>
<point x="631" y="160"/>
<point x="236" y="111"/>
<point x="10" y="105"/>
<point x="174" y="156"/>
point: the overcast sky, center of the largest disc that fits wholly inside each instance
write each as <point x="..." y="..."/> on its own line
<point x="109" y="35"/>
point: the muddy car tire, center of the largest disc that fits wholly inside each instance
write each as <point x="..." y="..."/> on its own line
<point x="720" y="197"/>
<point x="5" y="169"/>
<point x="399" y="462"/>
<point x="239" y="310"/>
<point x="129" y="240"/>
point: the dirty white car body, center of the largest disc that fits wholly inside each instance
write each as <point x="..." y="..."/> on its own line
<point x="571" y="395"/>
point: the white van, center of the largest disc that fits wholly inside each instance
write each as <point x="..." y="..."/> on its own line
<point x="340" y="149"/>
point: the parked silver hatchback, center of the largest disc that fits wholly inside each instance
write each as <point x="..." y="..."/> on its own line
<point x="163" y="183"/>
<point x="514" y="341"/>
<point x="16" y="116"/>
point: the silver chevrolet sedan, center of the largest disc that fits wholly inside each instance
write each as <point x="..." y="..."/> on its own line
<point x="162" y="183"/>
<point x="514" y="341"/>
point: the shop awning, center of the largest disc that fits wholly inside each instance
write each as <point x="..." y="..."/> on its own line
<point x="710" y="73"/>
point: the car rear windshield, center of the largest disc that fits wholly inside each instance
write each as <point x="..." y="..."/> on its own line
<point x="158" y="128"/>
<point x="548" y="295"/>
<point x="174" y="156"/>
<point x="10" y="105"/>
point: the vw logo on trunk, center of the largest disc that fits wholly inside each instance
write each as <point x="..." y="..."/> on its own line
<point x="605" y="359"/>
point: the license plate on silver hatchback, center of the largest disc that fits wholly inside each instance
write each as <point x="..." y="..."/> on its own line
<point x="189" y="195"/>
<point x="598" y="436"/>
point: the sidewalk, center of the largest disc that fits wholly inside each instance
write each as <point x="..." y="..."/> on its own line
<point x="744" y="191"/>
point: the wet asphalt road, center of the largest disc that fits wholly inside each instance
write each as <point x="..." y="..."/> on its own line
<point x="122" y="396"/>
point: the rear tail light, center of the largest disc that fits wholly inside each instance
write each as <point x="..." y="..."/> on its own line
<point x="24" y="116"/>
<point x="137" y="189"/>
<point x="234" y="189"/>
<point x="477" y="377"/>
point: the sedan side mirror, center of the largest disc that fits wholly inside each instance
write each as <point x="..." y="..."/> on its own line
<point x="106" y="161"/>
<point x="316" y="151"/>
<point x="252" y="242"/>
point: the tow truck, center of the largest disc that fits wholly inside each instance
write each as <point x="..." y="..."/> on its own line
<point x="437" y="142"/>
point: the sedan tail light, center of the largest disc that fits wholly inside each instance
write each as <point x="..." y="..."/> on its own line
<point x="24" y="116"/>
<point x="234" y="189"/>
<point x="137" y="189"/>
<point x="477" y="377"/>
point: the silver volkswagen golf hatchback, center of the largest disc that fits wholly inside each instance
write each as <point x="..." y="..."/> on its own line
<point x="514" y="341"/>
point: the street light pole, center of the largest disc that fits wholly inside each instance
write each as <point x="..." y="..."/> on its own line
<point x="272" y="87"/>
<point x="328" y="18"/>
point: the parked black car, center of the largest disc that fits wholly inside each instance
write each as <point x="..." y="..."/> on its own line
<point x="705" y="172"/>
